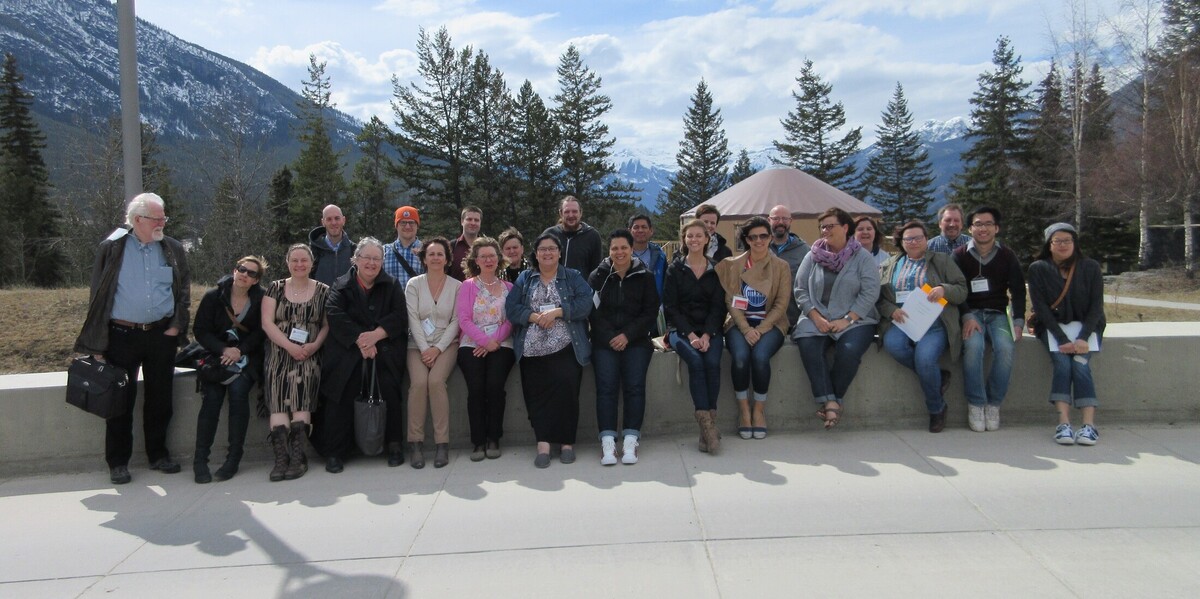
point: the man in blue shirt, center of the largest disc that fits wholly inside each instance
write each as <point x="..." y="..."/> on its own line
<point x="400" y="257"/>
<point x="137" y="318"/>
<point x="950" y="221"/>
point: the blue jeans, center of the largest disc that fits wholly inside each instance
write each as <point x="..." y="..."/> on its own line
<point x="704" y="369"/>
<point x="921" y="357"/>
<point x="829" y="382"/>
<point x="752" y="363"/>
<point x="623" y="371"/>
<point x="1069" y="373"/>
<point x="995" y="329"/>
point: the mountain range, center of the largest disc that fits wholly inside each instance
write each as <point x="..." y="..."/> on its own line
<point x="67" y="51"/>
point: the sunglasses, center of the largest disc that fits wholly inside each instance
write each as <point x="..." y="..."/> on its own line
<point x="253" y="274"/>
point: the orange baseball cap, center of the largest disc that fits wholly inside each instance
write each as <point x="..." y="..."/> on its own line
<point x="407" y="213"/>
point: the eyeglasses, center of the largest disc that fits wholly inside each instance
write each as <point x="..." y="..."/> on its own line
<point x="368" y="259"/>
<point x="758" y="237"/>
<point x="1062" y="242"/>
<point x="162" y="220"/>
<point x="913" y="239"/>
<point x="546" y="250"/>
<point x="982" y="225"/>
<point x="253" y="274"/>
<point x="483" y="257"/>
<point x="408" y="223"/>
<point x="830" y="227"/>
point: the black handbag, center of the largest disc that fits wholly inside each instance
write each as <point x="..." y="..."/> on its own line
<point x="97" y="387"/>
<point x="370" y="415"/>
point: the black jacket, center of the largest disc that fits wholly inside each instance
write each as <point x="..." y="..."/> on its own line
<point x="693" y="305"/>
<point x="582" y="249"/>
<point x="329" y="263"/>
<point x="351" y="312"/>
<point x="723" y="250"/>
<point x="212" y="321"/>
<point x="628" y="304"/>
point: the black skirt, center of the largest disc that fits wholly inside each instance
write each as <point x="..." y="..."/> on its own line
<point x="550" y="385"/>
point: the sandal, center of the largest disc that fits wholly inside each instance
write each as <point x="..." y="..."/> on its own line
<point x="825" y="415"/>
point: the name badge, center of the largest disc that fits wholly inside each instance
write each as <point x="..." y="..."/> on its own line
<point x="491" y="329"/>
<point x="901" y="296"/>
<point x="427" y="326"/>
<point x="739" y="302"/>
<point x="298" y="335"/>
<point x="979" y="285"/>
<point x="546" y="307"/>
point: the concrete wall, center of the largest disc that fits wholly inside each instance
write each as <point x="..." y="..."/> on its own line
<point x="1146" y="373"/>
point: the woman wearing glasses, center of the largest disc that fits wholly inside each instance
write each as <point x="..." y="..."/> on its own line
<point x="906" y="273"/>
<point x="548" y="308"/>
<point x="1067" y="291"/>
<point x="228" y="324"/>
<point x="836" y="288"/>
<point x="757" y="288"/>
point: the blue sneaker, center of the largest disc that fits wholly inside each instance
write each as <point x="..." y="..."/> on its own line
<point x="1087" y="435"/>
<point x="1063" y="435"/>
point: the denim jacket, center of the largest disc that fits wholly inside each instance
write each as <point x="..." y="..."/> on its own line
<point x="576" y="297"/>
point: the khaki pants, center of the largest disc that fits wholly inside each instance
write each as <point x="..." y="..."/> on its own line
<point x="427" y="392"/>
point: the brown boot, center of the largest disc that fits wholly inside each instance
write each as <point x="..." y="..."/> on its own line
<point x="279" y="446"/>
<point x="296" y="455"/>
<point x="708" y="431"/>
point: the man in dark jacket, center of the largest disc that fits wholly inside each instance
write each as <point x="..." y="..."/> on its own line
<point x="790" y="247"/>
<point x="331" y="246"/>
<point x="582" y="248"/>
<point x="137" y="318"/>
<point x="717" y="248"/>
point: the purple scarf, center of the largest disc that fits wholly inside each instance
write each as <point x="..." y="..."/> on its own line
<point x="831" y="260"/>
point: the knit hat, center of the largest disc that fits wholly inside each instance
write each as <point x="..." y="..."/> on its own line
<point x="1056" y="227"/>
<point x="407" y="213"/>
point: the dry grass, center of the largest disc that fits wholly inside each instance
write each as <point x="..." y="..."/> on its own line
<point x="40" y="325"/>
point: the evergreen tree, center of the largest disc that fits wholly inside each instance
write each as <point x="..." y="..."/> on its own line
<point x="318" y="170"/>
<point x="703" y="160"/>
<point x="809" y="134"/>
<point x="531" y="151"/>
<point x="156" y="177"/>
<point x="33" y="243"/>
<point x="371" y="186"/>
<point x="898" y="179"/>
<point x="434" y="129"/>
<point x="741" y="169"/>
<point x="490" y="113"/>
<point x="1178" y="58"/>
<point x="280" y="197"/>
<point x="1044" y="190"/>
<point x="586" y="145"/>
<point x="999" y="149"/>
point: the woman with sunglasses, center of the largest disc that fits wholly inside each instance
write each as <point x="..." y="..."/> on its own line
<point x="757" y="286"/>
<point x="837" y="286"/>
<point x="228" y="324"/>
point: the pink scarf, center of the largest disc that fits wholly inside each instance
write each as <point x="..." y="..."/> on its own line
<point x="833" y="261"/>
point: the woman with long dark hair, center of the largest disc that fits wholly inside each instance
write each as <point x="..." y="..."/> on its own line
<point x="1067" y="291"/>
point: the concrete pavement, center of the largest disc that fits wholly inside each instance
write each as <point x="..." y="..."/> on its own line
<point x="853" y="513"/>
<point x="1149" y="303"/>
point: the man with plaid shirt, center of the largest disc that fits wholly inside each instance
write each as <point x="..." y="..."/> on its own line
<point x="400" y="258"/>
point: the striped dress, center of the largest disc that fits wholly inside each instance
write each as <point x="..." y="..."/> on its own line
<point x="291" y="385"/>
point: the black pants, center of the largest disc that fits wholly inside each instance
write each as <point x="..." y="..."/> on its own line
<point x="551" y="388"/>
<point x="486" y="397"/>
<point x="336" y="430"/>
<point x="154" y="354"/>
<point x="212" y="397"/>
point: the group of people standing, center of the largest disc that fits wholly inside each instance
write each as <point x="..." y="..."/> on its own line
<point x="353" y="319"/>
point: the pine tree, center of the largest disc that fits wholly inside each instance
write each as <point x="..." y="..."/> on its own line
<point x="703" y="160"/>
<point x="809" y="133"/>
<point x="899" y="178"/>
<point x="490" y="112"/>
<point x="531" y="151"/>
<point x="1044" y="190"/>
<point x="586" y="145"/>
<point x="434" y="127"/>
<point x="741" y="169"/>
<point x="1178" y="58"/>
<point x="318" y="169"/>
<point x="33" y="251"/>
<point x="371" y="185"/>
<point x="999" y="134"/>
<point x="280" y="197"/>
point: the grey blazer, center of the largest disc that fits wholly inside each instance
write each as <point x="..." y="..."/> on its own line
<point x="855" y="290"/>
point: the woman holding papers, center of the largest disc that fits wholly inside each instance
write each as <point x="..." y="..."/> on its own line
<point x="836" y="288"/>
<point x="1067" y="292"/>
<point x="916" y="334"/>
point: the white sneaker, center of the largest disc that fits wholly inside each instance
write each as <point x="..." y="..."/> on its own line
<point x="991" y="417"/>
<point x="629" y="453"/>
<point x="608" y="446"/>
<point x="975" y="418"/>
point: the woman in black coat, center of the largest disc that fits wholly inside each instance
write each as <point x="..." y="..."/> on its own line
<point x="367" y="321"/>
<point x="228" y="325"/>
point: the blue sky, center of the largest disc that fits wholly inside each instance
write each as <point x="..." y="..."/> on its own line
<point x="651" y="53"/>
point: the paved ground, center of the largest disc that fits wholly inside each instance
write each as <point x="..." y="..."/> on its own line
<point x="855" y="514"/>
<point x="1149" y="303"/>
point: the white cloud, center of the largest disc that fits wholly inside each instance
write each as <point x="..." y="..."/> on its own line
<point x="418" y="9"/>
<point x="921" y="9"/>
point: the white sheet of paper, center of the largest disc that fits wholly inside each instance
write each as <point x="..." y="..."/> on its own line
<point x="920" y="314"/>
<point x="1072" y="330"/>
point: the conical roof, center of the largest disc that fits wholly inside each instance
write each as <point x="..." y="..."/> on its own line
<point x="805" y="194"/>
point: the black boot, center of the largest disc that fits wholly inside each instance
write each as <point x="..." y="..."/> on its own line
<point x="279" y="446"/>
<point x="206" y="431"/>
<point x="417" y="459"/>
<point x="296" y="455"/>
<point x="239" y="421"/>
<point x="395" y="451"/>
